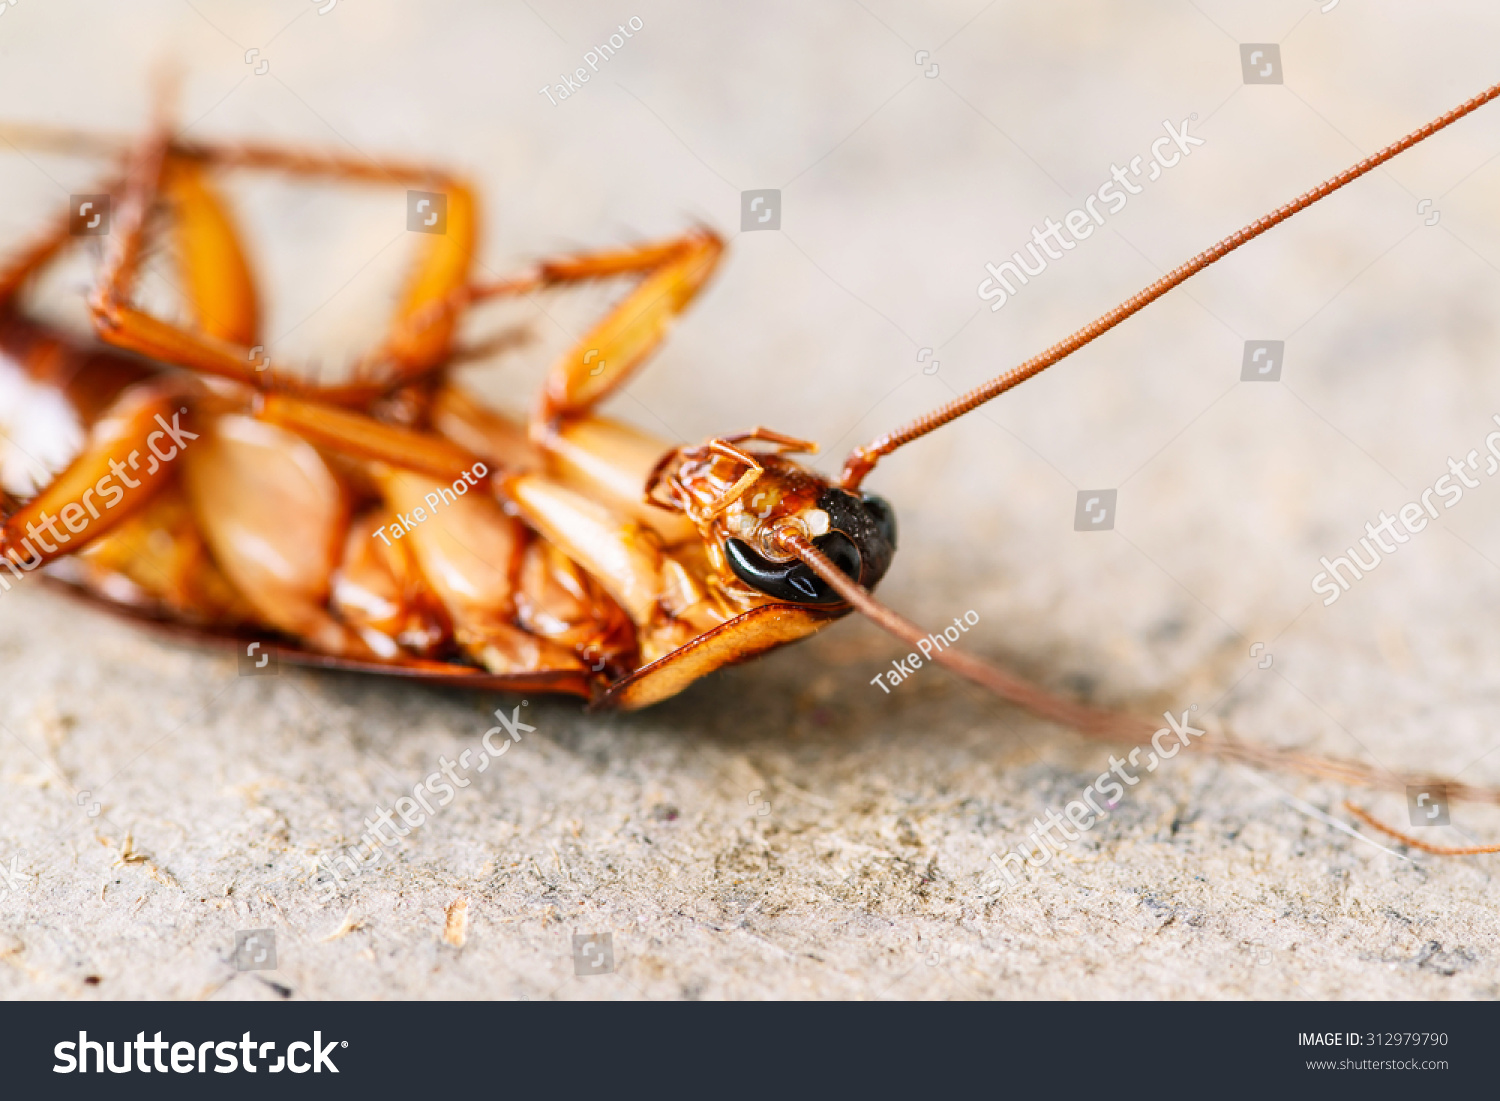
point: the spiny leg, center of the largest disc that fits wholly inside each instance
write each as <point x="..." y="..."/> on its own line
<point x="293" y="160"/>
<point x="420" y="335"/>
<point x="217" y="275"/>
<point x="34" y="257"/>
<point x="221" y="292"/>
<point x="63" y="140"/>
<point x="675" y="270"/>
<point x="610" y="352"/>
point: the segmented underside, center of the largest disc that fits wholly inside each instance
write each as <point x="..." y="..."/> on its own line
<point x="257" y="533"/>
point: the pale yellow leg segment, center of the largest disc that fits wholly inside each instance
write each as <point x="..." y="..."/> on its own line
<point x="605" y="358"/>
<point x="366" y="438"/>
<point x="131" y="452"/>
<point x="217" y="278"/>
<point x="442" y="270"/>
<point x="494" y="437"/>
<point x="221" y="292"/>
<point x="612" y="462"/>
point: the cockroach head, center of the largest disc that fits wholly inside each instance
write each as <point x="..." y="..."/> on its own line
<point x="746" y="501"/>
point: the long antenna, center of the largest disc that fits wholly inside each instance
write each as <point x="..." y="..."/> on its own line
<point x="863" y="459"/>
<point x="1100" y="724"/>
<point x="1122" y="729"/>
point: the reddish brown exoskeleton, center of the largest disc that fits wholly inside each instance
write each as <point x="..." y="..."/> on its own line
<point x="390" y="523"/>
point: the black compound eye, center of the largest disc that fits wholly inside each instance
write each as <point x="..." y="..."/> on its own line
<point x="793" y="581"/>
<point x="883" y="515"/>
<point x="841" y="551"/>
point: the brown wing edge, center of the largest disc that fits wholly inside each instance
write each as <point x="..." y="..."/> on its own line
<point x="740" y="639"/>
<point x="744" y="637"/>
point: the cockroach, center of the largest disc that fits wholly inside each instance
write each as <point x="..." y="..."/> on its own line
<point x="391" y="523"/>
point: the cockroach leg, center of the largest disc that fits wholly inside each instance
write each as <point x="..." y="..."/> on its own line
<point x="421" y="335"/>
<point x="67" y="141"/>
<point x="612" y="350"/>
<point x="753" y="471"/>
<point x="363" y="437"/>
<point x="120" y="469"/>
<point x="249" y="155"/>
<point x="480" y="350"/>
<point x="785" y="445"/>
<point x="38" y="254"/>
<point x="675" y="271"/>
<point x="216" y="275"/>
<point x="725" y="446"/>
<point x="458" y="416"/>
<point x="221" y="291"/>
<point x="302" y="162"/>
<point x="227" y="307"/>
<point x="117" y="278"/>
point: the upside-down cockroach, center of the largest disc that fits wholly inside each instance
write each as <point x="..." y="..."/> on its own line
<point x="390" y="523"/>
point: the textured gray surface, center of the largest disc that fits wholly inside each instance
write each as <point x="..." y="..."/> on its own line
<point x="865" y="876"/>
